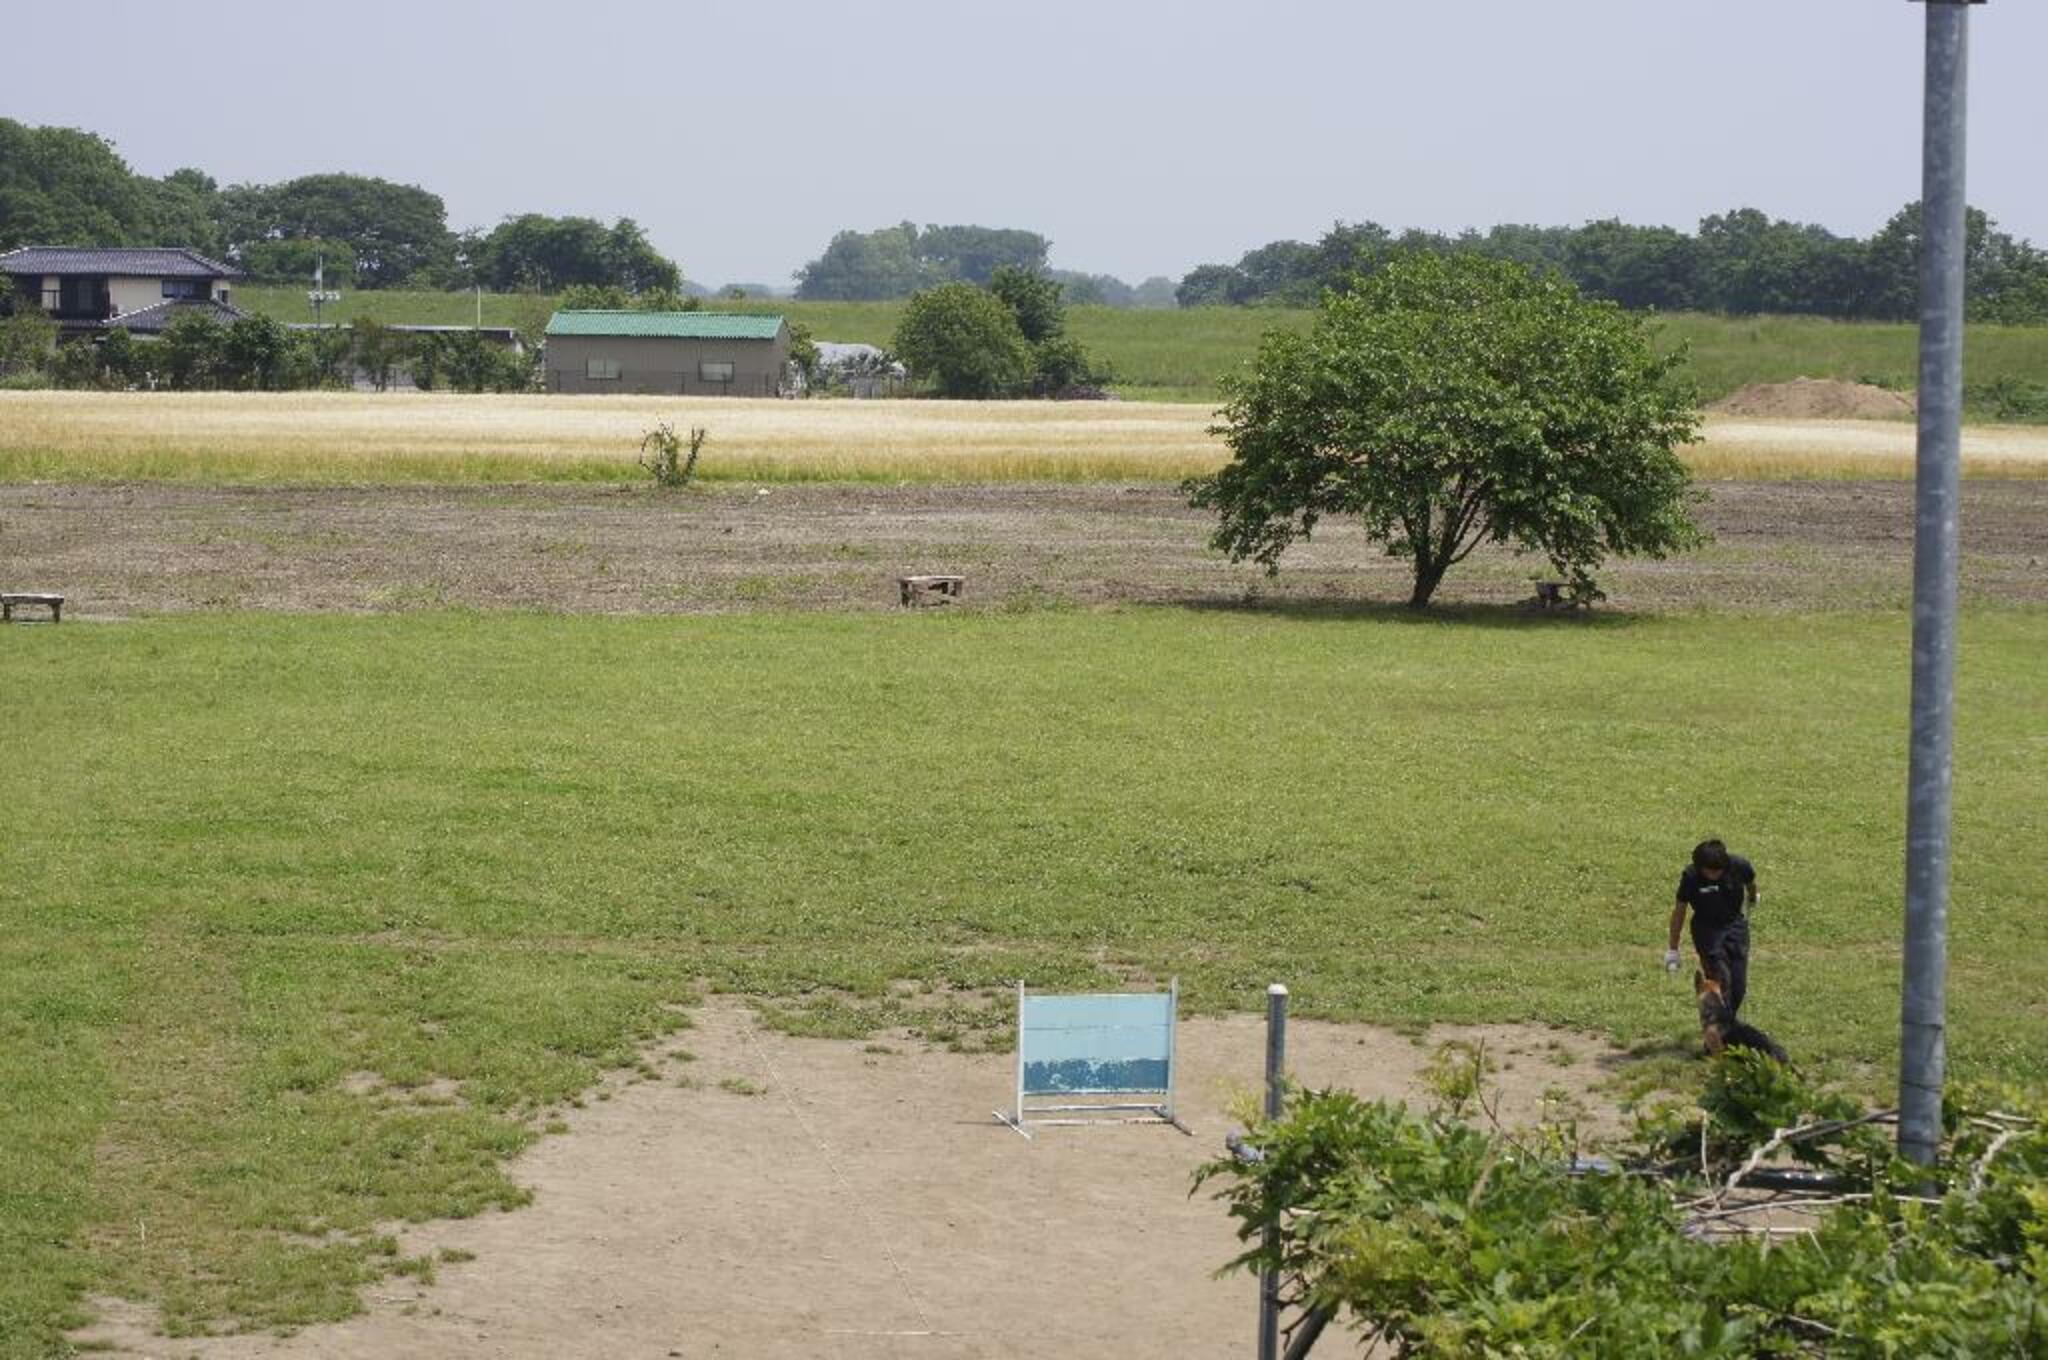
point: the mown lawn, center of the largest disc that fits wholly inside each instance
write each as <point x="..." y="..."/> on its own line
<point x="249" y="856"/>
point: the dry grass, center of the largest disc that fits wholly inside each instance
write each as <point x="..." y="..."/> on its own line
<point x="1744" y="448"/>
<point x="411" y="437"/>
<point x="416" y="437"/>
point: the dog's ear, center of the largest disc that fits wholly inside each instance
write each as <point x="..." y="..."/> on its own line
<point x="1700" y="985"/>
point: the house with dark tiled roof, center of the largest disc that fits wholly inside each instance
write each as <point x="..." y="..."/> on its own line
<point x="88" y="290"/>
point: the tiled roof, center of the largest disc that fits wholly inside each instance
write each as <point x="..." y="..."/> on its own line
<point x="667" y="325"/>
<point x="154" y="320"/>
<point x="142" y="262"/>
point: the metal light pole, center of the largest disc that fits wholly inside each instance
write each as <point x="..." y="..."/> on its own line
<point x="1923" y="1050"/>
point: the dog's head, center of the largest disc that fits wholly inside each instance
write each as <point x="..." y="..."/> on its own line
<point x="1714" y="1015"/>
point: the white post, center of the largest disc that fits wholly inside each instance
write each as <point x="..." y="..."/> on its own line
<point x="1020" y="1055"/>
<point x="1172" y="1029"/>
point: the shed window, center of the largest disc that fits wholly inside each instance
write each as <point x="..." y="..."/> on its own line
<point x="715" y="370"/>
<point x="604" y="369"/>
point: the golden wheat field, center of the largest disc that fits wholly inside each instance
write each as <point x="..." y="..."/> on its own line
<point x="416" y="437"/>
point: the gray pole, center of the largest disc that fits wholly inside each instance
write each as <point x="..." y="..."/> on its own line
<point x="1276" y="1081"/>
<point x="1923" y="1008"/>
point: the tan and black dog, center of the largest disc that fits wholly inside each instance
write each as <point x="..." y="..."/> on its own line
<point x="1720" y="1029"/>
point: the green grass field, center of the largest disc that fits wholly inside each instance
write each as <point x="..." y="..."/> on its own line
<point x="1180" y="356"/>
<point x="251" y="855"/>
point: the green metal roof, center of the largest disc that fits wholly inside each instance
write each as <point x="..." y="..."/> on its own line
<point x="667" y="325"/>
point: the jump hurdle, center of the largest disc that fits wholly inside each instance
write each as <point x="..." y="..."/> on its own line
<point x="1084" y="1059"/>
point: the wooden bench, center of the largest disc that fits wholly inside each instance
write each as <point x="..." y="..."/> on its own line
<point x="10" y="601"/>
<point x="930" y="589"/>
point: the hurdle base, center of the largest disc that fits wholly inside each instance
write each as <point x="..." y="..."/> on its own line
<point x="1105" y="1115"/>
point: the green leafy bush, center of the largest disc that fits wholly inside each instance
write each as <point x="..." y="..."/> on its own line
<point x="1436" y="1237"/>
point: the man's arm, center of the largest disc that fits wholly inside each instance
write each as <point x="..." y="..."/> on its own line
<point x="1749" y="888"/>
<point x="1677" y="925"/>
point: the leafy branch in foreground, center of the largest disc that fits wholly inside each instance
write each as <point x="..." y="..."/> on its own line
<point x="1435" y="1237"/>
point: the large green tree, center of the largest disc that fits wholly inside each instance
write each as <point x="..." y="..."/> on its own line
<point x="63" y="187"/>
<point x="547" y="254"/>
<point x="894" y="262"/>
<point x="1452" y="401"/>
<point x="964" y="342"/>
<point x="399" y="232"/>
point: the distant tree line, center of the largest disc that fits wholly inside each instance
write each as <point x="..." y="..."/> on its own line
<point x="896" y="262"/>
<point x="1741" y="263"/>
<point x="61" y="186"/>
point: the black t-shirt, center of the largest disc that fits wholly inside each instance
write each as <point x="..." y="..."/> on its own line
<point x="1716" y="904"/>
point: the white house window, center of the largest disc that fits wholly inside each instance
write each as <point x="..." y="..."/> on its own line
<point x="184" y="288"/>
<point x="715" y="370"/>
<point x="601" y="369"/>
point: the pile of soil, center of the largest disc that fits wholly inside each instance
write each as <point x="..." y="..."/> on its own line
<point x="1815" y="399"/>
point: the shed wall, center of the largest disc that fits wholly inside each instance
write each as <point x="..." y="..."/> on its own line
<point x="654" y="364"/>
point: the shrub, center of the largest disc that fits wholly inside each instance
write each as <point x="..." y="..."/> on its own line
<point x="661" y="453"/>
<point x="1437" y="1237"/>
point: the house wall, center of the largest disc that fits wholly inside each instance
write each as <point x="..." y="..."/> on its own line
<point x="132" y="295"/>
<point x="650" y="364"/>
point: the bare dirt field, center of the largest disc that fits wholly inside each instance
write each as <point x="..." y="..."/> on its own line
<point x="783" y="1197"/>
<point x="122" y="550"/>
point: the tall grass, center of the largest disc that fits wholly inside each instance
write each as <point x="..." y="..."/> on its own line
<point x="1182" y="355"/>
<point x="418" y="437"/>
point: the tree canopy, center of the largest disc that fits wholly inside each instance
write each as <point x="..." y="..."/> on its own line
<point x="60" y="186"/>
<point x="1742" y="262"/>
<point x="1006" y="340"/>
<point x="964" y="342"/>
<point x="533" y="252"/>
<point x="399" y="232"/>
<point x="1452" y="401"/>
<point x="894" y="262"/>
<point x="64" y="187"/>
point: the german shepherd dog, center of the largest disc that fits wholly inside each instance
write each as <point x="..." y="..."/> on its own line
<point x="1720" y="1029"/>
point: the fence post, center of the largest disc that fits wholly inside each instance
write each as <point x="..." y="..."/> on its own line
<point x="1276" y="1082"/>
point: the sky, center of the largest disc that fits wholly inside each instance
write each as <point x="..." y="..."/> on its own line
<point x="1142" y="137"/>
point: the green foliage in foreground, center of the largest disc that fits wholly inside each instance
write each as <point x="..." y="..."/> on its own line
<point x="1434" y="1237"/>
<point x="1184" y="355"/>
<point x="250" y="855"/>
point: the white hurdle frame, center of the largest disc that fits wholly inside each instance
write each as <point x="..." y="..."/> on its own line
<point x="1146" y="1112"/>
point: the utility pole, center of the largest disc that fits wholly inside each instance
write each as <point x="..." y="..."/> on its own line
<point x="1923" y="1046"/>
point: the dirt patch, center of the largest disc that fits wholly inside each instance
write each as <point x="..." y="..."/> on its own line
<point x="119" y="550"/>
<point x="1815" y="399"/>
<point x="802" y="1197"/>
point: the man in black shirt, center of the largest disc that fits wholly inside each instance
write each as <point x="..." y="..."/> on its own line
<point x="1715" y="887"/>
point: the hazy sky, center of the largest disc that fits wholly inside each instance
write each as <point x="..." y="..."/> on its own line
<point x="1142" y="137"/>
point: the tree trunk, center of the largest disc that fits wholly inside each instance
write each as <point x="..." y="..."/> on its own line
<point x="1428" y="576"/>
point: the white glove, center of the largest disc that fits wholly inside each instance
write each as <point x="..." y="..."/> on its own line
<point x="1671" y="960"/>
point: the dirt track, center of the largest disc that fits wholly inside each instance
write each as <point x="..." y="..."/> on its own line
<point x="147" y="548"/>
<point x="863" y="1204"/>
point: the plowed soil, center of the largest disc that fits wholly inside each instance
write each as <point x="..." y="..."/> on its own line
<point x="123" y="550"/>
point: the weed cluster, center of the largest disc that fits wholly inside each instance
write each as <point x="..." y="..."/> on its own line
<point x="661" y="453"/>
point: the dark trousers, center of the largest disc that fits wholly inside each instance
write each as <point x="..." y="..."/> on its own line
<point x="1724" y="956"/>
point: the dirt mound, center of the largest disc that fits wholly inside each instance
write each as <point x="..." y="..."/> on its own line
<point x="1815" y="399"/>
